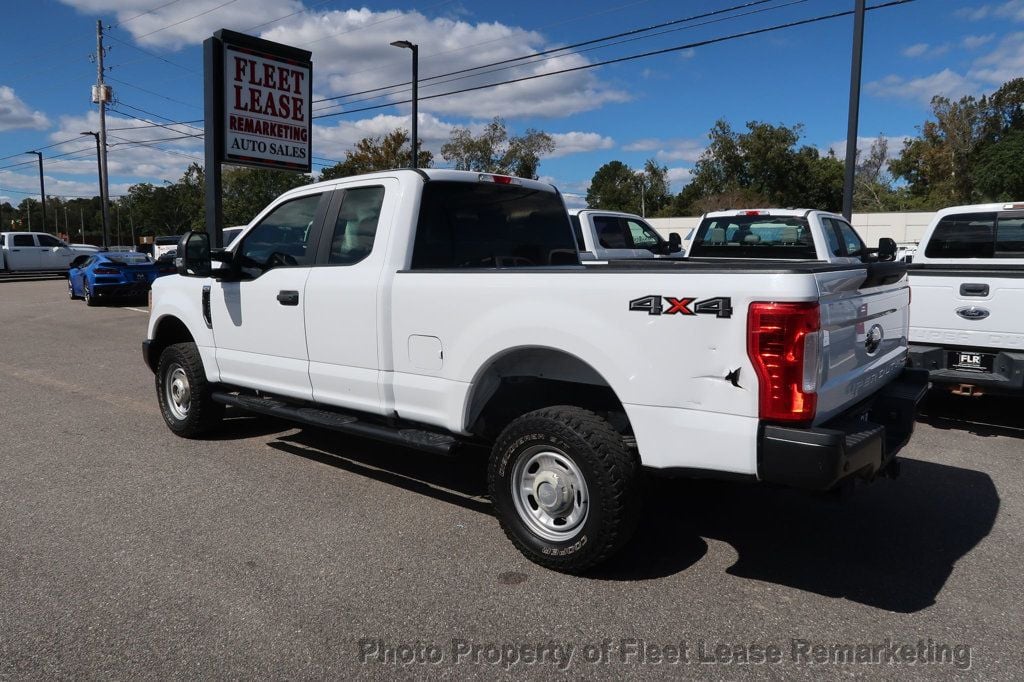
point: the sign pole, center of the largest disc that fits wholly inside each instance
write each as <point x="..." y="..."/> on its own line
<point x="213" y="108"/>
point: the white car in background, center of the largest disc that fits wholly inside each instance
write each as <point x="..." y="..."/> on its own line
<point x="613" y="235"/>
<point x="36" y="251"/>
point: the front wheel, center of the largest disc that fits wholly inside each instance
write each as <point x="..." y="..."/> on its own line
<point x="565" y="487"/>
<point x="184" y="393"/>
<point x="71" y="291"/>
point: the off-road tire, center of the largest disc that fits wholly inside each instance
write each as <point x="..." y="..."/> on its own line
<point x="202" y="414"/>
<point x="610" y="471"/>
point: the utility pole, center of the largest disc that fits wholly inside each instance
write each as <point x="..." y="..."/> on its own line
<point x="101" y="95"/>
<point x="42" y="188"/>
<point x="854" y="113"/>
<point x="81" y="224"/>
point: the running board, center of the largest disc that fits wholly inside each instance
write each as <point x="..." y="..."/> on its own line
<point x="430" y="441"/>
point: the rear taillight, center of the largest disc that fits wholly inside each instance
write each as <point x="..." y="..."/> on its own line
<point x="783" y="342"/>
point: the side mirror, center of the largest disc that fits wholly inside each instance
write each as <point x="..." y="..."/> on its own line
<point x="193" y="255"/>
<point x="886" y="249"/>
<point x="675" y="242"/>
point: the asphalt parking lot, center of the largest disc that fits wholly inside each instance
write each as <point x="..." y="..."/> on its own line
<point x="274" y="551"/>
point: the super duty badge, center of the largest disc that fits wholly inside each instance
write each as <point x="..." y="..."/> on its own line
<point x="720" y="306"/>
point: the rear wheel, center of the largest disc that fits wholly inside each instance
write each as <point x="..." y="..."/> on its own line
<point x="184" y="393"/>
<point x="565" y="487"/>
<point x="87" y="294"/>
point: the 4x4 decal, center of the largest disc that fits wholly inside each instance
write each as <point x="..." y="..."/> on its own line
<point x="720" y="306"/>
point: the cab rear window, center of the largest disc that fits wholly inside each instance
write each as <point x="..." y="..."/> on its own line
<point x="754" y="236"/>
<point x="978" y="235"/>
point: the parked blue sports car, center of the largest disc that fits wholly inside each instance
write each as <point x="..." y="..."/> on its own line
<point x="113" y="274"/>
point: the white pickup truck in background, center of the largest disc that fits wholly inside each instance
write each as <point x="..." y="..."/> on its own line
<point x="784" y="234"/>
<point x="613" y="235"/>
<point x="967" y="317"/>
<point x="39" y="251"/>
<point x="433" y="308"/>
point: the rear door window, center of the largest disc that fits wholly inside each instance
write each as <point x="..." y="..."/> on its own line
<point x="489" y="225"/>
<point x="356" y="226"/>
<point x="611" y="232"/>
<point x="22" y="240"/>
<point x="966" y="235"/>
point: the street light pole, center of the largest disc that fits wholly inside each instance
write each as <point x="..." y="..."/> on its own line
<point x="854" y="113"/>
<point x="42" y="188"/>
<point x="103" y="193"/>
<point x="405" y="44"/>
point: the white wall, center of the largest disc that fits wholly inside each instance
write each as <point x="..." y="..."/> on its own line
<point x="903" y="227"/>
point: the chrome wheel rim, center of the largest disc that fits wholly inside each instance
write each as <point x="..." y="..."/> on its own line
<point x="71" y="289"/>
<point x="177" y="391"/>
<point x="550" y="493"/>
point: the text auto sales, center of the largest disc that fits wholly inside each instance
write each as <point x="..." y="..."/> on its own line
<point x="268" y="90"/>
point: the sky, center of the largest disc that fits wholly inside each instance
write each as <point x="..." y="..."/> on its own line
<point x="659" y="107"/>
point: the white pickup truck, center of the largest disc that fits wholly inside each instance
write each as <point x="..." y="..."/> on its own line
<point x="613" y="235"/>
<point x="433" y="308"/>
<point x="967" y="318"/>
<point x="28" y="251"/>
<point x="784" y="234"/>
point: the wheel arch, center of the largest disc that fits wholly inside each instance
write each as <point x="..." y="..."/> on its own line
<point x="526" y="378"/>
<point x="168" y="330"/>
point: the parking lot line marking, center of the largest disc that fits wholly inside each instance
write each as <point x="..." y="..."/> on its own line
<point x="138" y="310"/>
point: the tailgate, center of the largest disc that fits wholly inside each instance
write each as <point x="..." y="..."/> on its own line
<point x="972" y="308"/>
<point x="865" y="326"/>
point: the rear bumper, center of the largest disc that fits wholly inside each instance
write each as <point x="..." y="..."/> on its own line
<point x="1007" y="375"/>
<point x="857" y="444"/>
<point x="128" y="290"/>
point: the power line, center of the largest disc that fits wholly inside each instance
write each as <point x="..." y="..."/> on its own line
<point x="597" y="47"/>
<point x="148" y="11"/>
<point x="652" y="53"/>
<point x="150" y="92"/>
<point x="558" y="49"/>
<point x="153" y="55"/>
<point x="178" y="23"/>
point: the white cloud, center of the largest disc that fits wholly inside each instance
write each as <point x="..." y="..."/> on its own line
<point x="352" y="53"/>
<point x="915" y="50"/>
<point x="126" y="162"/>
<point x="185" y="23"/>
<point x="974" y="42"/>
<point x="332" y="141"/>
<point x="1002" y="64"/>
<point x="679" y="177"/>
<point x="946" y="82"/>
<point x="16" y="115"/>
<point x="577" y="142"/>
<point x="671" y="149"/>
<point x="1012" y="9"/>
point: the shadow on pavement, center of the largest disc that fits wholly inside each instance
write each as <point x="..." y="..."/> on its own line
<point x="891" y="544"/>
<point x="983" y="416"/>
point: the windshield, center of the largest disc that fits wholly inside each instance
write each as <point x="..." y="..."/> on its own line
<point x="754" y="236"/>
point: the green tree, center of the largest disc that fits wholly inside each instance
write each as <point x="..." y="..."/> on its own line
<point x="613" y="188"/>
<point x="999" y="172"/>
<point x="494" y="151"/>
<point x="762" y="167"/>
<point x="247" y="191"/>
<point x="377" y="153"/>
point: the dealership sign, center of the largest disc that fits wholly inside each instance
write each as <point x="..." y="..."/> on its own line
<point x="259" y="102"/>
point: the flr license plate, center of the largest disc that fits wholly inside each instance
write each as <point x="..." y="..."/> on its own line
<point x="970" y="360"/>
